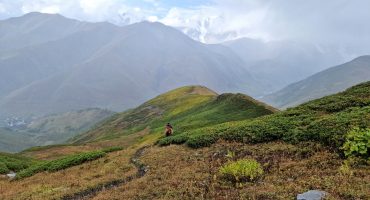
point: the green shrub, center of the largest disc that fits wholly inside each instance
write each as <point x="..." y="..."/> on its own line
<point x="112" y="149"/>
<point x="12" y="162"/>
<point x="3" y="168"/>
<point x="357" y="143"/>
<point x="176" y="139"/>
<point x="59" y="164"/>
<point x="241" y="171"/>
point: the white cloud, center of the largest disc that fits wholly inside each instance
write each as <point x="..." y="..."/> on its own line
<point x="51" y="9"/>
<point x="2" y="8"/>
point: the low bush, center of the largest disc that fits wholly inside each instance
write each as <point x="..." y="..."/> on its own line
<point x="241" y="171"/>
<point x="59" y="164"/>
<point x="176" y="139"/>
<point x="357" y="143"/>
<point x="11" y="162"/>
<point x="3" y="168"/>
<point x="112" y="149"/>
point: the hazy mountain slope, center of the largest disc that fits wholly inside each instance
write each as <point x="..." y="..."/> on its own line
<point x="13" y="141"/>
<point x="324" y="83"/>
<point x="186" y="108"/>
<point x="121" y="67"/>
<point x="21" y="67"/>
<point x="278" y="63"/>
<point x="36" y="28"/>
<point x="52" y="129"/>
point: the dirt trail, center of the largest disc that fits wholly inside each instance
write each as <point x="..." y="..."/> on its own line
<point x="91" y="192"/>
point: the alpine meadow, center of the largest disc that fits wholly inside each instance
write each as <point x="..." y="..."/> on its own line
<point x="184" y="100"/>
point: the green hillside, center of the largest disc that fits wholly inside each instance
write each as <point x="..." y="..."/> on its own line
<point x="186" y="108"/>
<point x="326" y="120"/>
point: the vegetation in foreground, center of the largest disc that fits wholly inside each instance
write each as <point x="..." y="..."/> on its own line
<point x="179" y="172"/>
<point x="59" y="164"/>
<point x="11" y="162"/>
<point x="241" y="170"/>
<point x="326" y="120"/>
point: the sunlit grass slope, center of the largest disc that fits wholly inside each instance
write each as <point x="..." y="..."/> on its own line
<point x="325" y="120"/>
<point x="186" y="108"/>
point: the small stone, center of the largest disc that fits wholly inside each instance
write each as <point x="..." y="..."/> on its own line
<point x="11" y="175"/>
<point x="312" y="195"/>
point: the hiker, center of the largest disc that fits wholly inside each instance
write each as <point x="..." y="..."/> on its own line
<point x="169" y="129"/>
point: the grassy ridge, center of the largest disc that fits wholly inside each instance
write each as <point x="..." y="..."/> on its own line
<point x="186" y="108"/>
<point x="326" y="120"/>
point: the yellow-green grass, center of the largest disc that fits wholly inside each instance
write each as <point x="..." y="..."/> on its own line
<point x="185" y="108"/>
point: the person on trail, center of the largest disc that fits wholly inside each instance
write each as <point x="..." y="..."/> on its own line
<point x="169" y="129"/>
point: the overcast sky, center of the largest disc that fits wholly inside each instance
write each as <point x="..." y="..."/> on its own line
<point x="344" y="22"/>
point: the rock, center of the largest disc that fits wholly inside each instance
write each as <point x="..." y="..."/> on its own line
<point x="312" y="195"/>
<point x="11" y="175"/>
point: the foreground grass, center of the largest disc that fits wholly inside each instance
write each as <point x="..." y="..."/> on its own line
<point x="177" y="172"/>
<point x="54" y="185"/>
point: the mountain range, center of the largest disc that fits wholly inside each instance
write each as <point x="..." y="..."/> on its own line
<point x="51" y="64"/>
<point x="329" y="81"/>
<point x="102" y="65"/>
<point x="275" y="64"/>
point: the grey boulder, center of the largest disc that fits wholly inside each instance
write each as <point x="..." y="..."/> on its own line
<point x="312" y="195"/>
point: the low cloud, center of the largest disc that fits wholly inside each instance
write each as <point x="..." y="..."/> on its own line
<point x="340" y="22"/>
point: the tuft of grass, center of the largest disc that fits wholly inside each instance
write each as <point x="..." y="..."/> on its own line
<point x="357" y="143"/>
<point x="241" y="171"/>
<point x="59" y="164"/>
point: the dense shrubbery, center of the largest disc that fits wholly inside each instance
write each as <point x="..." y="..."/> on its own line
<point x="59" y="164"/>
<point x="241" y="171"/>
<point x="10" y="162"/>
<point x="325" y="120"/>
<point x="357" y="143"/>
<point x="112" y="149"/>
